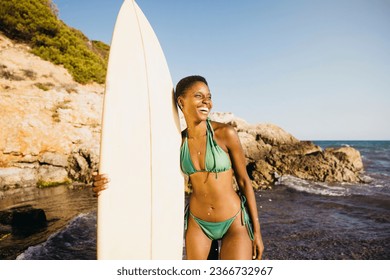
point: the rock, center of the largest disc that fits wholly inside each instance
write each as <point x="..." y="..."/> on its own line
<point x="23" y="220"/>
<point x="82" y="164"/>
<point x="254" y="150"/>
<point x="261" y="172"/>
<point x="54" y="159"/>
<point x="230" y="119"/>
<point x="51" y="175"/>
<point x="11" y="147"/>
<point x="349" y="155"/>
<point x="42" y="128"/>
<point x="274" y="135"/>
<point x="29" y="159"/>
<point x="307" y="161"/>
<point x="298" y="148"/>
<point x="26" y="165"/>
<point x="28" y="217"/>
<point x="17" y="177"/>
<point x="315" y="167"/>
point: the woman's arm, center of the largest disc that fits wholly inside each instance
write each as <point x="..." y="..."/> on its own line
<point x="237" y="157"/>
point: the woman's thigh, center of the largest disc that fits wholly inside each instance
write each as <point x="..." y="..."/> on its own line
<point x="197" y="243"/>
<point x="236" y="244"/>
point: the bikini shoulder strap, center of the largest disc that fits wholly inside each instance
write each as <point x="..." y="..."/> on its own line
<point x="210" y="127"/>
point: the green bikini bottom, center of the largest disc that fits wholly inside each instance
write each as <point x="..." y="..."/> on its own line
<point x="217" y="230"/>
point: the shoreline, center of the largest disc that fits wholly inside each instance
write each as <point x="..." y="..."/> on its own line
<point x="348" y="220"/>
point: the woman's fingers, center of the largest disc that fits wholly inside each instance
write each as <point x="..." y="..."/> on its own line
<point x="254" y="247"/>
<point x="100" y="182"/>
<point x="258" y="249"/>
<point x="100" y="179"/>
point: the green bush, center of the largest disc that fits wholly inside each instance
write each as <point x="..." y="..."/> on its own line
<point x="35" y="22"/>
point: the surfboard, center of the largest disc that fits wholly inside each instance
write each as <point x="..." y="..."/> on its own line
<point x="140" y="215"/>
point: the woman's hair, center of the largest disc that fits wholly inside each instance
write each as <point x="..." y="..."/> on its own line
<point x="186" y="83"/>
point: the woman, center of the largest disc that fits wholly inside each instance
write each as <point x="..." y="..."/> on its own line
<point x="209" y="154"/>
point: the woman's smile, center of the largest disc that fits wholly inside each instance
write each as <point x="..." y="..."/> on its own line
<point x="204" y="110"/>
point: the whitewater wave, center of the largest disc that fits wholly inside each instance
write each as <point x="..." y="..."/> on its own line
<point x="318" y="188"/>
<point x="372" y="187"/>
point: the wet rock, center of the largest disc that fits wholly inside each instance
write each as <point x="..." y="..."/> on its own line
<point x="23" y="220"/>
<point x="27" y="217"/>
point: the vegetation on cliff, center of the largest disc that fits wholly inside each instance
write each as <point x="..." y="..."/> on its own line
<point x="36" y="22"/>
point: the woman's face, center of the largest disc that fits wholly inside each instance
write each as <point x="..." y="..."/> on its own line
<point x="196" y="101"/>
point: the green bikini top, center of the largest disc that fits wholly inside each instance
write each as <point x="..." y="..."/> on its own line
<point x="216" y="158"/>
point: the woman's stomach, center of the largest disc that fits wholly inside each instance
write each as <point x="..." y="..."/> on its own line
<point x="213" y="198"/>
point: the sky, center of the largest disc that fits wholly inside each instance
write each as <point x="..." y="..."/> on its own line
<point x="318" y="69"/>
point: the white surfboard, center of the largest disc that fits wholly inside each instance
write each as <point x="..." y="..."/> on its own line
<point x="140" y="215"/>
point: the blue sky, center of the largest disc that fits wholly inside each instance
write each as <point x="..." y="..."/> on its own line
<point x="318" y="69"/>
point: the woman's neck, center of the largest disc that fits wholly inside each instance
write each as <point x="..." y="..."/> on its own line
<point x="196" y="129"/>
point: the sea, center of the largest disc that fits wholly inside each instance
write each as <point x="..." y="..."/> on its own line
<point x="300" y="220"/>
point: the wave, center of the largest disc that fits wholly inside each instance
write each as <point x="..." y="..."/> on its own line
<point x="374" y="187"/>
<point x="76" y="241"/>
<point x="318" y="188"/>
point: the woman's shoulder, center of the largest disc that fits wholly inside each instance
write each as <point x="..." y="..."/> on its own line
<point x="223" y="130"/>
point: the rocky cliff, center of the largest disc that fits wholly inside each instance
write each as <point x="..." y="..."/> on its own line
<point x="50" y="131"/>
<point x="49" y="124"/>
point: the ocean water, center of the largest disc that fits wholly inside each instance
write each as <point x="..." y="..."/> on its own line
<point x="71" y="225"/>
<point x="299" y="219"/>
<point x="306" y="220"/>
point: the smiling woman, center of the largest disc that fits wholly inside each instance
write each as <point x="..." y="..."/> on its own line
<point x="215" y="210"/>
<point x="210" y="153"/>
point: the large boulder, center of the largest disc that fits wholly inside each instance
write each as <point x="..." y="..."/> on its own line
<point x="350" y="156"/>
<point x="24" y="220"/>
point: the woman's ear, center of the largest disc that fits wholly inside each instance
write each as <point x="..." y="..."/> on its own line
<point x="180" y="103"/>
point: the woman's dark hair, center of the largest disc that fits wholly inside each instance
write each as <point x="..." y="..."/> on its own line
<point x="186" y="83"/>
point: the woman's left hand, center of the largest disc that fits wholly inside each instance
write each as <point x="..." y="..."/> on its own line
<point x="258" y="247"/>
